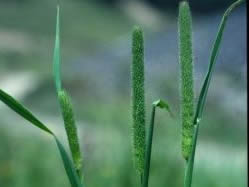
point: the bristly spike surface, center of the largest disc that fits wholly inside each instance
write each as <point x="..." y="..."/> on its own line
<point x="187" y="82"/>
<point x="71" y="130"/>
<point x="138" y="100"/>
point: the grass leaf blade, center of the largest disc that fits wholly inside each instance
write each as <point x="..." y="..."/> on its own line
<point x="22" y="111"/>
<point x="214" y="54"/>
<point x="68" y="165"/>
<point x="56" y="59"/>
<point x="26" y="114"/>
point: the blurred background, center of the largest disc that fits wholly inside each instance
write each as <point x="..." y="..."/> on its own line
<point x="96" y="56"/>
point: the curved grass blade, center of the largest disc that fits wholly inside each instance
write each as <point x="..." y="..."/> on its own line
<point x="26" y="114"/>
<point x="163" y="105"/>
<point x="214" y="53"/>
<point x="204" y="90"/>
<point x="56" y="60"/>
<point x="68" y="165"/>
<point x="18" y="108"/>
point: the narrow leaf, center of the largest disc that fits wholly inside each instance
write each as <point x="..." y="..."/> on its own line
<point x="214" y="54"/>
<point x="26" y="114"/>
<point x="68" y="165"/>
<point x="56" y="60"/>
<point x="22" y="111"/>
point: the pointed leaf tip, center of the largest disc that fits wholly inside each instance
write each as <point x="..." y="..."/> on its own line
<point x="56" y="59"/>
<point x="163" y="105"/>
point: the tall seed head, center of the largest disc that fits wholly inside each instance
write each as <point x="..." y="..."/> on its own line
<point x="187" y="83"/>
<point x="71" y="130"/>
<point x="138" y="101"/>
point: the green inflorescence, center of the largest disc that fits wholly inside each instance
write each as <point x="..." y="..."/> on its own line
<point x="71" y="130"/>
<point x="138" y="101"/>
<point x="187" y="83"/>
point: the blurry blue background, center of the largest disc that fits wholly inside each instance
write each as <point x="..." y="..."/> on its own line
<point x="96" y="56"/>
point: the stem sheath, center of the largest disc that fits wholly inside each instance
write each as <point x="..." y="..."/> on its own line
<point x="149" y="148"/>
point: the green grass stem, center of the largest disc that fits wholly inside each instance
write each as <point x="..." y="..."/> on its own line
<point x="149" y="139"/>
<point x="26" y="114"/>
<point x="190" y="163"/>
<point x="149" y="148"/>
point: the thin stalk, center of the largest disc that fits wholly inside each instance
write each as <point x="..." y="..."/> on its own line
<point x="190" y="163"/>
<point x="148" y="149"/>
<point x="163" y="105"/>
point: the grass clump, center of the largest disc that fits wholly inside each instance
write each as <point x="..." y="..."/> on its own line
<point x="186" y="80"/>
<point x="138" y="101"/>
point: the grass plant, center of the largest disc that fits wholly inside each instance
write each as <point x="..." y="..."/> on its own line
<point x="73" y="170"/>
<point x="66" y="104"/>
<point x="204" y="91"/>
<point x="142" y="136"/>
<point x="190" y="117"/>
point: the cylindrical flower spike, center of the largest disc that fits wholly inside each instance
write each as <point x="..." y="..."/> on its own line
<point x="138" y="101"/>
<point x="71" y="130"/>
<point x="187" y="83"/>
